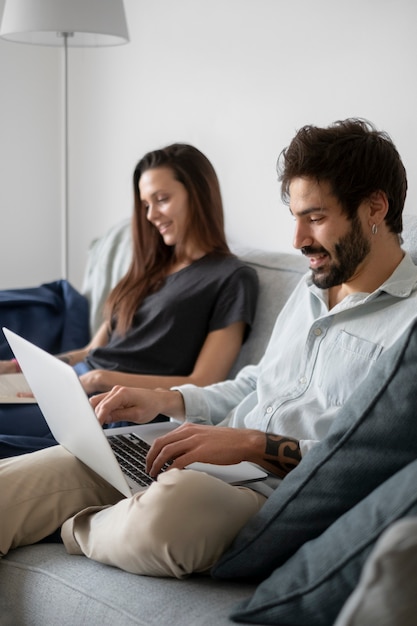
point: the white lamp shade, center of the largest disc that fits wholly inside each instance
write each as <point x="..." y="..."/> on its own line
<point x="87" y="22"/>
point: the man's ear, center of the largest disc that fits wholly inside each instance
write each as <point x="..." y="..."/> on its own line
<point x="378" y="207"/>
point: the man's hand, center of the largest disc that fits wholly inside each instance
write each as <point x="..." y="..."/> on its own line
<point x="223" y="446"/>
<point x="207" y="444"/>
<point x="136" y="405"/>
<point x="194" y="442"/>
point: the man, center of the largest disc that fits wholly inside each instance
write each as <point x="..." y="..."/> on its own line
<point x="346" y="187"/>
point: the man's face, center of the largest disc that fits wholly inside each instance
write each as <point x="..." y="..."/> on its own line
<point x="335" y="246"/>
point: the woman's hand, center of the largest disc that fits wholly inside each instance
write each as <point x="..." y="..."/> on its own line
<point x="94" y="381"/>
<point x="8" y="367"/>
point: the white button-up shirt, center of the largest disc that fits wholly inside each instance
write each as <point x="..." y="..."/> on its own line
<point x="315" y="359"/>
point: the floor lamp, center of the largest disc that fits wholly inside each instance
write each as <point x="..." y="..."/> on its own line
<point x="65" y="23"/>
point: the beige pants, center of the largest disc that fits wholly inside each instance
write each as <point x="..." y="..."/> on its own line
<point x="181" y="524"/>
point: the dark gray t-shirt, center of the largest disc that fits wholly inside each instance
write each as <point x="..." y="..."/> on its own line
<point x="171" y="325"/>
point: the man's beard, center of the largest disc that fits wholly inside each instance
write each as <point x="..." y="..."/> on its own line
<point x="349" y="252"/>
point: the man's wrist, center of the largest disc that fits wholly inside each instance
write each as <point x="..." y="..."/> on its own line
<point x="172" y="404"/>
<point x="282" y="454"/>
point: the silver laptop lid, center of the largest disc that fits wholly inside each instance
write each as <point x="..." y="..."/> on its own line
<point x="74" y="425"/>
<point x="67" y="410"/>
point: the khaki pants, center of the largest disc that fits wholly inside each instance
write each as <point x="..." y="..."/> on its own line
<point x="181" y="524"/>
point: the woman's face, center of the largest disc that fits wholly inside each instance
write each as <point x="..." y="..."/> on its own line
<point x="165" y="201"/>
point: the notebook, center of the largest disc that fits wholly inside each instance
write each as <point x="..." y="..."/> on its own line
<point x="74" y="425"/>
<point x="10" y="386"/>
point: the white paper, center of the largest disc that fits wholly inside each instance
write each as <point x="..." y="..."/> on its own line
<point x="10" y="386"/>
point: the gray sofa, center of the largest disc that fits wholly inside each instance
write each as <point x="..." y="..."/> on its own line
<point x="41" y="585"/>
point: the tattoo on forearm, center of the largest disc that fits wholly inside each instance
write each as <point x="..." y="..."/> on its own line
<point x="282" y="453"/>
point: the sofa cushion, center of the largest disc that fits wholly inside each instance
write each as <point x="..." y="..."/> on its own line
<point x="43" y="585"/>
<point x="278" y="274"/>
<point x="409" y="235"/>
<point x="107" y="261"/>
<point x="386" y="593"/>
<point x="313" y="585"/>
<point x="373" y="438"/>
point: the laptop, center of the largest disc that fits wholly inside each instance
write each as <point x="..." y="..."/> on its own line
<point x="74" y="424"/>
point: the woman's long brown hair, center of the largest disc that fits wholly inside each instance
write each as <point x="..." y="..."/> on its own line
<point x="151" y="257"/>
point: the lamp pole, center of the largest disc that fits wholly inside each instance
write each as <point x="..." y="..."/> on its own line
<point x="65" y="161"/>
<point x="75" y="23"/>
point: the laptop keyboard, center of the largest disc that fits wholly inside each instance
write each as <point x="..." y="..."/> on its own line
<point x="130" y="451"/>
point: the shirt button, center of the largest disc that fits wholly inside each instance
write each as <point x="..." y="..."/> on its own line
<point x="303" y="380"/>
<point x="317" y="332"/>
<point x="269" y="409"/>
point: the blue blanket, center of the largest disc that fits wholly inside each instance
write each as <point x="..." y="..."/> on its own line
<point x="54" y="316"/>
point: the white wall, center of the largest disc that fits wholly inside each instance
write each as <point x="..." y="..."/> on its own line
<point x="29" y="164"/>
<point x="234" y="77"/>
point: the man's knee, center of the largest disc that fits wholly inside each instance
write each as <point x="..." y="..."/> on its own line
<point x="184" y="502"/>
<point x="185" y="521"/>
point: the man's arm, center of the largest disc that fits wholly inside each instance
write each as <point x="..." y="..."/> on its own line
<point x="204" y="404"/>
<point x="195" y="442"/>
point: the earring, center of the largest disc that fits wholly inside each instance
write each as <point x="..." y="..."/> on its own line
<point x="374" y="229"/>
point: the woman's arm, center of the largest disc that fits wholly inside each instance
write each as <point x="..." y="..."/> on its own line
<point x="75" y="356"/>
<point x="72" y="357"/>
<point x="216" y="357"/>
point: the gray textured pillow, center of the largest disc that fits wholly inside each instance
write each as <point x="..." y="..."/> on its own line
<point x="313" y="585"/>
<point x="374" y="436"/>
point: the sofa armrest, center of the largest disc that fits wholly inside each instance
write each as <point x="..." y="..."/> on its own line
<point x="108" y="259"/>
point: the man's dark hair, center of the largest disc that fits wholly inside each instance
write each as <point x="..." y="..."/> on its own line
<point x="354" y="158"/>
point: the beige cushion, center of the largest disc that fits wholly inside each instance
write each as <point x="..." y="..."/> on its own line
<point x="387" y="594"/>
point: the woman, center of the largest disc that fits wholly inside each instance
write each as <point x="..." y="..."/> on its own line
<point x="182" y="310"/>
